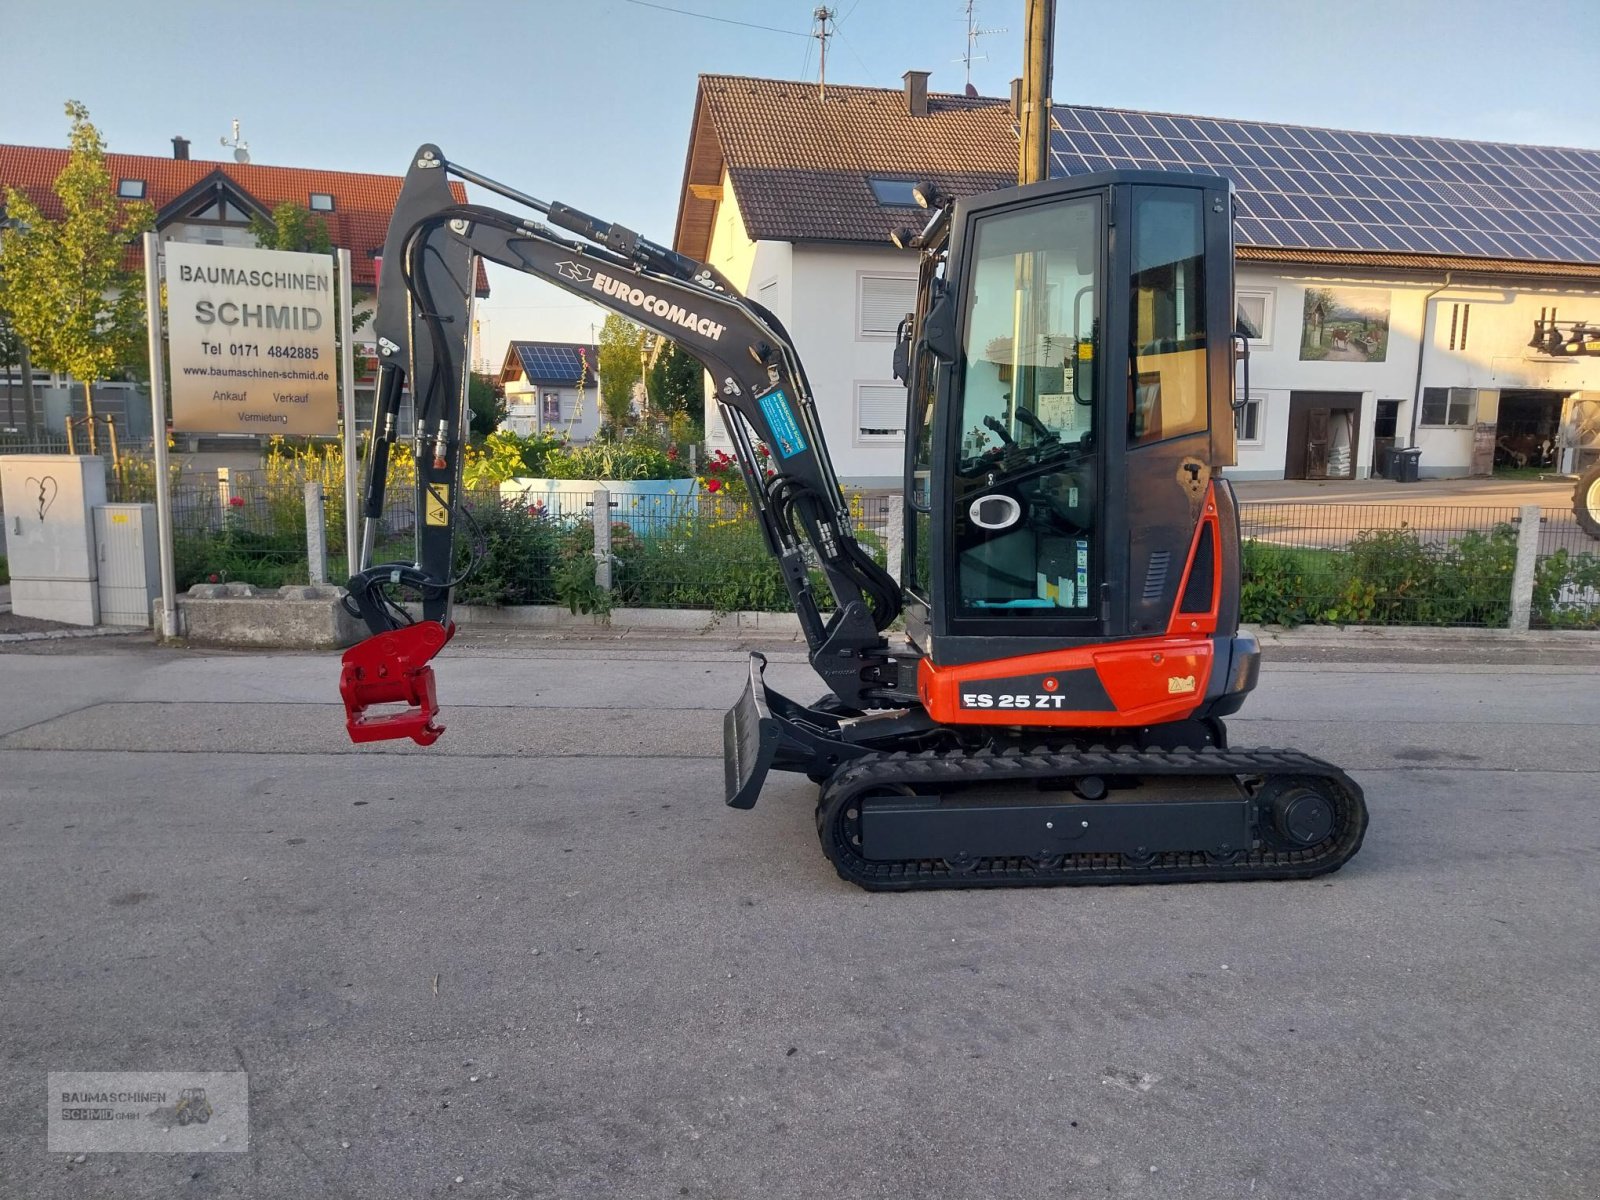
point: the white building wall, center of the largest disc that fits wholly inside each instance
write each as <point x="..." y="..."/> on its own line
<point x="1496" y="356"/>
<point x="826" y="327"/>
<point x="580" y="410"/>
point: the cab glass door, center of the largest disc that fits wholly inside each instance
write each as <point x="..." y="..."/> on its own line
<point x="1026" y="495"/>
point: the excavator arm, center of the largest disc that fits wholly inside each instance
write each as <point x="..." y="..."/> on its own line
<point x="423" y="328"/>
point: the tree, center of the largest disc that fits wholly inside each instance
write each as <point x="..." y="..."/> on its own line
<point x="65" y="286"/>
<point x="292" y="227"/>
<point x="487" y="403"/>
<point x="621" y="342"/>
<point x="677" y="383"/>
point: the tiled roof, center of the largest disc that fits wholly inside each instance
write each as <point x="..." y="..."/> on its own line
<point x="1307" y="188"/>
<point x="362" y="204"/>
<point x="800" y="163"/>
<point x="557" y="363"/>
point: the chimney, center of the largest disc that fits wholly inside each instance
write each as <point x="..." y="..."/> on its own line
<point x="1016" y="99"/>
<point x="916" y="93"/>
<point x="180" y="149"/>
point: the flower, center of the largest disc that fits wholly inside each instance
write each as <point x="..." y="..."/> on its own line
<point x="236" y="501"/>
<point x="713" y="485"/>
<point x="212" y="578"/>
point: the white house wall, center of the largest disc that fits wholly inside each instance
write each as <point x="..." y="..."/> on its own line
<point x="1496" y="357"/>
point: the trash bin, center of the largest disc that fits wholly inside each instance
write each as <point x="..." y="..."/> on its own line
<point x="1405" y="465"/>
<point x="1386" y="460"/>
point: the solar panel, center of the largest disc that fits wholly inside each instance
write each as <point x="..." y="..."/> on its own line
<point x="1332" y="189"/>
<point x="546" y="363"/>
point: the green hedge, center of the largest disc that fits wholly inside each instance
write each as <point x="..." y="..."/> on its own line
<point x="1395" y="577"/>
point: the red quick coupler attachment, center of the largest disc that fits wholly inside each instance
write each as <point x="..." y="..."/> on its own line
<point x="392" y="668"/>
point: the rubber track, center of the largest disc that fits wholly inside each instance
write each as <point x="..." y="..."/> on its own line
<point x="924" y="772"/>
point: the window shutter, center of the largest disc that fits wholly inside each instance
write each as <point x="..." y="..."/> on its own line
<point x="880" y="410"/>
<point x="885" y="300"/>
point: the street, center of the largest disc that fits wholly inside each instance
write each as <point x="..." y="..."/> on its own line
<point x="541" y="957"/>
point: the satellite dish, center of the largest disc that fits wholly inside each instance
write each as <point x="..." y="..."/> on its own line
<point x="241" y="155"/>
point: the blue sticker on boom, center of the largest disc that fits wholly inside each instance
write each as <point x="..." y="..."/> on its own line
<point x="780" y="419"/>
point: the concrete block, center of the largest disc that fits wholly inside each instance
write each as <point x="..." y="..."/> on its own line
<point x="307" y="618"/>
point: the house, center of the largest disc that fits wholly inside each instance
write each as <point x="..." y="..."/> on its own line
<point x="1403" y="291"/>
<point x="212" y="203"/>
<point x="551" y="387"/>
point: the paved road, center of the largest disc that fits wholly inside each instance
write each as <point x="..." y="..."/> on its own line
<point x="661" y="997"/>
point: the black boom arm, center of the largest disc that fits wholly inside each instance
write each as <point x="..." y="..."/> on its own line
<point x="423" y="325"/>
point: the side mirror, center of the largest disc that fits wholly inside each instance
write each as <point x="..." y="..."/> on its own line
<point x="902" y="350"/>
<point x="1241" y="369"/>
<point x="939" y="329"/>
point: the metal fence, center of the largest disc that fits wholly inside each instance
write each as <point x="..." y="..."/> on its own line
<point x="1415" y="564"/>
<point x="1399" y="564"/>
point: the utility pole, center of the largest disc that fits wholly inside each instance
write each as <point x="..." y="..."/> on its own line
<point x="822" y="16"/>
<point x="1033" y="142"/>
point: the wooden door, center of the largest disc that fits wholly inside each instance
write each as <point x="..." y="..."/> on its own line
<point x="1317" y="443"/>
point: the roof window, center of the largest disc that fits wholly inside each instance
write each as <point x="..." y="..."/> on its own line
<point x="894" y="193"/>
<point x="131" y="189"/>
<point x="321" y="202"/>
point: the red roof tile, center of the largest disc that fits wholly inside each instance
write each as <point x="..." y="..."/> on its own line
<point x="362" y="204"/>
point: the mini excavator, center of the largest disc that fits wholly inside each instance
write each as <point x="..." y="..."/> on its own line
<point x="1071" y="572"/>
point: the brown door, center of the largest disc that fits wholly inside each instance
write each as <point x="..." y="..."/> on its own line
<point x="1317" y="444"/>
<point x="1311" y="434"/>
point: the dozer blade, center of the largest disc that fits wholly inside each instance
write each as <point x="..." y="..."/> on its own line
<point x="750" y="737"/>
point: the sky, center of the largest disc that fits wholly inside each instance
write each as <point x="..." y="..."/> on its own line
<point x="589" y="101"/>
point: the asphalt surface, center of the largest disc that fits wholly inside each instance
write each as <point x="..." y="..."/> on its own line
<point x="661" y="997"/>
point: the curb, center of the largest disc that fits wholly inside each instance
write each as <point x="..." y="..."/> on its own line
<point x="50" y="635"/>
<point x="666" y="620"/>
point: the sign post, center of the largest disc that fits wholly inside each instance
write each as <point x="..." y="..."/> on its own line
<point x="347" y="387"/>
<point x="158" y="426"/>
<point x="250" y="334"/>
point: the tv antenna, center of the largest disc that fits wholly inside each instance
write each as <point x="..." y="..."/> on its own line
<point x="241" y="148"/>
<point x="822" y="16"/>
<point x="974" y="32"/>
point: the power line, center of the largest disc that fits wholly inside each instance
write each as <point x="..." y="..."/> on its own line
<point x="684" y="12"/>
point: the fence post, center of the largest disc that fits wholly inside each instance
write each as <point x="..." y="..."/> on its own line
<point x="894" y="534"/>
<point x="224" y="491"/>
<point x="316" y="533"/>
<point x="602" y="539"/>
<point x="1522" y="576"/>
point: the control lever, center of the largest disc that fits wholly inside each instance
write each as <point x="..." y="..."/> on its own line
<point x="1000" y="432"/>
<point x="1043" y="431"/>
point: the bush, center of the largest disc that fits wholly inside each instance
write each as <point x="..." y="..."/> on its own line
<point x="1566" y="591"/>
<point x="5" y="571"/>
<point x="1383" y="577"/>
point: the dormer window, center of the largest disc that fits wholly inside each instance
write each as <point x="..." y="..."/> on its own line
<point x="131" y="189"/>
<point x="894" y="193"/>
<point x="321" y="202"/>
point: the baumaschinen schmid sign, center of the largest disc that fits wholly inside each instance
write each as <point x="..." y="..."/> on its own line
<point x="250" y="334"/>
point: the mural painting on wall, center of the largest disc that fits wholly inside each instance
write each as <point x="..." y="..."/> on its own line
<point x="1345" y="325"/>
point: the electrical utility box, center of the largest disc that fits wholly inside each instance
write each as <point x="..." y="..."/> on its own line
<point x="49" y="534"/>
<point x="128" y="554"/>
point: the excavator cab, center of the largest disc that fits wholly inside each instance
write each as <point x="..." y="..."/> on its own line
<point x="1071" y="399"/>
